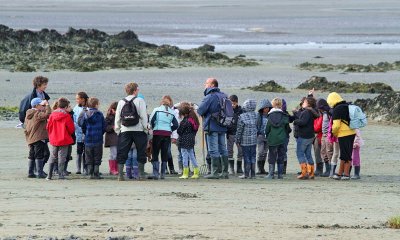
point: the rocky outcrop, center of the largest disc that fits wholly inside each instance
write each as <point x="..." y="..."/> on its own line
<point x="8" y="113"/>
<point x="270" y="86"/>
<point x="322" y="84"/>
<point x="380" y="67"/>
<point x="385" y="107"/>
<point x="91" y="50"/>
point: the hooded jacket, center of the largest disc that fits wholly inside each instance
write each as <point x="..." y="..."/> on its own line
<point x="35" y="125"/>
<point x="261" y="118"/>
<point x="277" y="129"/>
<point x="340" y="116"/>
<point x="236" y="111"/>
<point x="60" y="128"/>
<point x="305" y="123"/>
<point x="187" y="133"/>
<point x="246" y="133"/>
<point x="26" y="104"/>
<point x="208" y="106"/>
<point x="93" y="127"/>
<point x="163" y="121"/>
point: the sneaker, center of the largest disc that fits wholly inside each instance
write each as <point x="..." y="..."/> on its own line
<point x="336" y="177"/>
<point x="345" y="178"/>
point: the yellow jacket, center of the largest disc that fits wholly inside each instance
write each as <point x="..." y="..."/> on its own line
<point x="340" y="116"/>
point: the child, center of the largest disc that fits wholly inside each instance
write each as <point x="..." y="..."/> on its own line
<point x="187" y="133"/>
<point x="326" y="145"/>
<point x="60" y="128"/>
<point x="231" y="134"/>
<point x="305" y="138"/>
<point x="81" y="101"/>
<point x="36" y="135"/>
<point x="163" y="123"/>
<point x="93" y="127"/>
<point x="111" y="138"/>
<point x="132" y="164"/>
<point x="262" y="144"/>
<point x="246" y="137"/>
<point x="356" y="161"/>
<point x="276" y="132"/>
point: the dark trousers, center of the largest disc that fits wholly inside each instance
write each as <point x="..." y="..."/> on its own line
<point x="276" y="154"/>
<point x="161" y="143"/>
<point x="125" y="140"/>
<point x="39" y="150"/>
<point x="94" y="155"/>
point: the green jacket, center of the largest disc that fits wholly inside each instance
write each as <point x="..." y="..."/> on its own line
<point x="277" y="129"/>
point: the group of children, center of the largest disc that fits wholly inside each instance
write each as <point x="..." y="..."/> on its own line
<point x="266" y="131"/>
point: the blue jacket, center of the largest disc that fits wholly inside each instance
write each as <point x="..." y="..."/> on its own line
<point x="163" y="121"/>
<point x="78" y="130"/>
<point x="93" y="126"/>
<point x="26" y="104"/>
<point x="209" y="105"/>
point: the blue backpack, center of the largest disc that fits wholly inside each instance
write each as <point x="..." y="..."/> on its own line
<point x="358" y="119"/>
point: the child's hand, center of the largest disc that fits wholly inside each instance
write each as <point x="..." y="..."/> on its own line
<point x="311" y="92"/>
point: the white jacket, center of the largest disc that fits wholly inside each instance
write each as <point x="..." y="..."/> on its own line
<point x="142" y="111"/>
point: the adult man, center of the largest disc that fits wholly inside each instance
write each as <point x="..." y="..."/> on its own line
<point x="129" y="134"/>
<point x="216" y="134"/>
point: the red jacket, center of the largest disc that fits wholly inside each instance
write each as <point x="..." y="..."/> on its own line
<point x="60" y="128"/>
<point x="318" y="127"/>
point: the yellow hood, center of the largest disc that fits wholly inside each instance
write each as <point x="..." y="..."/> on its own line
<point x="333" y="99"/>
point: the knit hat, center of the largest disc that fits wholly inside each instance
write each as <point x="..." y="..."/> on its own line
<point x="36" y="101"/>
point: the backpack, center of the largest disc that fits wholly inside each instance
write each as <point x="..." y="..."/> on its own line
<point x="129" y="114"/>
<point x="358" y="119"/>
<point x="225" y="116"/>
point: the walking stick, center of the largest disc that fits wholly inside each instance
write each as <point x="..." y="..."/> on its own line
<point x="203" y="167"/>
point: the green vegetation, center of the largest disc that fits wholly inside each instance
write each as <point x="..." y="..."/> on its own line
<point x="270" y="86"/>
<point x="380" y="67"/>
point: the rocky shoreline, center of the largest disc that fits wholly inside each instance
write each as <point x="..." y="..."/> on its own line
<point x="8" y="113"/>
<point x="322" y="84"/>
<point x="380" y="67"/>
<point x="87" y="50"/>
<point x="383" y="108"/>
<point x="270" y="86"/>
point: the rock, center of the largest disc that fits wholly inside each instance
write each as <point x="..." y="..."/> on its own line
<point x="111" y="229"/>
<point x="380" y="67"/>
<point x="385" y="107"/>
<point x="91" y="50"/>
<point x="270" y="86"/>
<point x="322" y="84"/>
<point x="140" y="229"/>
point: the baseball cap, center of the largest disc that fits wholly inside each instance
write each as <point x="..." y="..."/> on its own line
<point x="36" y="101"/>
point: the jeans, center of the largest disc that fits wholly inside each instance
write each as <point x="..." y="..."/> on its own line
<point x="231" y="144"/>
<point x="132" y="160"/>
<point x="216" y="144"/>
<point x="262" y="146"/>
<point x="188" y="154"/>
<point x="276" y="154"/>
<point x="125" y="141"/>
<point x="303" y="150"/>
<point x="249" y="154"/>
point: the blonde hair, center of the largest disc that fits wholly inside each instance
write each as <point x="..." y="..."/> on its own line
<point x="277" y="103"/>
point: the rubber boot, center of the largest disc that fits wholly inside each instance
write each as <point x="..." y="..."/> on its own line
<point x="327" y="170"/>
<point x="310" y="171"/>
<point x="225" y="166"/>
<point x="271" y="171"/>
<point x="280" y="170"/>
<point x="91" y="171"/>
<point x="196" y="173"/>
<point x="339" y="175"/>
<point x="51" y="169"/>
<point x="61" y="174"/>
<point x="253" y="171"/>
<point x="215" y="165"/>
<point x="356" y="175"/>
<point x="231" y="166"/>
<point x="260" y="165"/>
<point x="121" y="172"/>
<point x="319" y="169"/>
<point x="142" y="174"/>
<point x="247" y="171"/>
<point x="31" y="166"/>
<point x="333" y="169"/>
<point x="303" y="175"/>
<point x="284" y="167"/>
<point x="163" y="169"/>
<point x="111" y="167"/>
<point x="239" y="167"/>
<point x="185" y="174"/>
<point x="39" y="167"/>
<point x="346" y="173"/>
<point x="78" y="164"/>
<point x="128" y="172"/>
<point x="135" y="172"/>
<point x="97" y="172"/>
